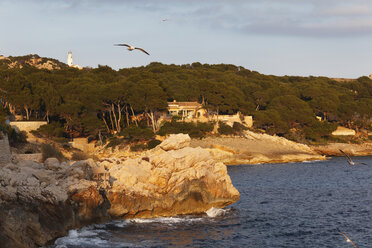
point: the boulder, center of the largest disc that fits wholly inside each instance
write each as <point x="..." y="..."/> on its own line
<point x="175" y="142"/>
<point x="52" y="164"/>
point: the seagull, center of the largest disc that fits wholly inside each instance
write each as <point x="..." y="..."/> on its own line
<point x="131" y="48"/>
<point x="347" y="238"/>
<point x="351" y="162"/>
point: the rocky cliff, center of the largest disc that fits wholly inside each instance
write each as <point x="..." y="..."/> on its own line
<point x="40" y="202"/>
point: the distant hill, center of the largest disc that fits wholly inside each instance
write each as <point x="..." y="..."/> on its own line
<point x="33" y="60"/>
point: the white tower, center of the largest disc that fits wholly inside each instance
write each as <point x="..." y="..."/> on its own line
<point x="69" y="59"/>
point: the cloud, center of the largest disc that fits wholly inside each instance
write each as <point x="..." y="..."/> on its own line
<point x="310" y="18"/>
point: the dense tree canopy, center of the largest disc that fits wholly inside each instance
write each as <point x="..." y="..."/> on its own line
<point x="91" y="101"/>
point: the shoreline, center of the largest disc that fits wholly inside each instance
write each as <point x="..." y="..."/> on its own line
<point x="333" y="149"/>
<point x="256" y="149"/>
<point x="262" y="149"/>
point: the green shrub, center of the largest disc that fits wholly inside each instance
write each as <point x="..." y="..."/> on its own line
<point x="153" y="143"/>
<point x="138" y="147"/>
<point x="319" y="130"/>
<point x="134" y="132"/>
<point x="77" y="156"/>
<point x="205" y="127"/>
<point x="195" y="130"/>
<point x="114" y="141"/>
<point x="16" y="138"/>
<point x="176" y="118"/>
<point x="238" y="127"/>
<point x="225" y="129"/>
<point x="53" y="131"/>
<point x="50" y="151"/>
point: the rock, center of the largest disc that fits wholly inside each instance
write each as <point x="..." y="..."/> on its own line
<point x="40" y="203"/>
<point x="215" y="212"/>
<point x="52" y="164"/>
<point x="256" y="148"/>
<point x="175" y="142"/>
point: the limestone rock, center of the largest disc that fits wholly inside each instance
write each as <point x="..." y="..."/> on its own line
<point x="175" y="142"/>
<point x="52" y="164"/>
<point x="42" y="202"/>
<point x="256" y="148"/>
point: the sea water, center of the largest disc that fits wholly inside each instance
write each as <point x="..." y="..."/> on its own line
<point x="281" y="205"/>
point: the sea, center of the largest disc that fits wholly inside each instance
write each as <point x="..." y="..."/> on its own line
<point x="308" y="204"/>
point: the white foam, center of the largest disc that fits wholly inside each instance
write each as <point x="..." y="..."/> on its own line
<point x="215" y="212"/>
<point x="166" y="220"/>
<point x="313" y="161"/>
<point x="84" y="236"/>
<point x="73" y="234"/>
<point x="120" y="223"/>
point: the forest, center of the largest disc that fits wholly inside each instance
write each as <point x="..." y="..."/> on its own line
<point x="104" y="101"/>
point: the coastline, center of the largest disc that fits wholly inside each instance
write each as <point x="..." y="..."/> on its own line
<point x="333" y="149"/>
<point x="256" y="148"/>
<point x="262" y="148"/>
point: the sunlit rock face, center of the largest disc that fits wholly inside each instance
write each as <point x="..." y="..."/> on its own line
<point x="39" y="202"/>
<point x="169" y="180"/>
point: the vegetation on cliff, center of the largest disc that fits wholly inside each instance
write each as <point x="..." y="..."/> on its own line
<point x="103" y="101"/>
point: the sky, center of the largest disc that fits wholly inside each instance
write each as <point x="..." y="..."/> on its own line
<point x="280" y="37"/>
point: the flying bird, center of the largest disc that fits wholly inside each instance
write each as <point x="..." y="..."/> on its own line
<point x="351" y="162"/>
<point x="347" y="238"/>
<point x="131" y="48"/>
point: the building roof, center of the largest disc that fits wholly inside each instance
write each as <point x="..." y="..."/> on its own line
<point x="184" y="104"/>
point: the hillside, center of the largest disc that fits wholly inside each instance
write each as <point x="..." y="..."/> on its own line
<point x="33" y="60"/>
<point x="103" y="101"/>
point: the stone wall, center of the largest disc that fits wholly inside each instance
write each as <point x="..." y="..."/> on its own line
<point x="26" y="126"/>
<point x="248" y="121"/>
<point x="36" y="157"/>
<point x="343" y="131"/>
<point x="5" y="154"/>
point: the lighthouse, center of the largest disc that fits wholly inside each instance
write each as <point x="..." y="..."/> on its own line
<point x="69" y="59"/>
<point x="70" y="62"/>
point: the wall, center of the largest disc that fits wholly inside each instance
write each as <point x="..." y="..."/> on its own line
<point x="248" y="121"/>
<point x="26" y="125"/>
<point x="36" y="157"/>
<point x="343" y="131"/>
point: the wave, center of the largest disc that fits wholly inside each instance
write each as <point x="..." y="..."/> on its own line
<point x="88" y="237"/>
<point x="313" y="161"/>
<point x="215" y="212"/>
<point x="167" y="220"/>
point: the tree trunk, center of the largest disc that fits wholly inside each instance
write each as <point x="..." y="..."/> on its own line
<point x="100" y="137"/>
<point x="134" y="116"/>
<point x="153" y="121"/>
<point x="104" y="120"/>
<point x="114" y="114"/>
<point x="112" y="122"/>
<point x="12" y="109"/>
<point x="218" y="108"/>
<point x="127" y="114"/>
<point x="27" y="113"/>
<point x="119" y="118"/>
<point x="47" y="115"/>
